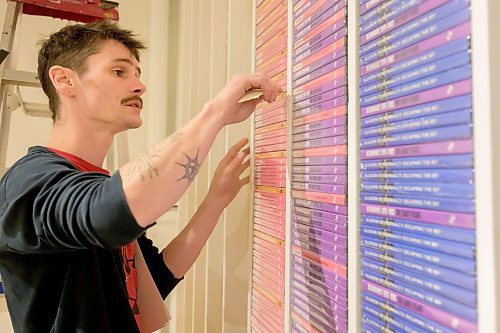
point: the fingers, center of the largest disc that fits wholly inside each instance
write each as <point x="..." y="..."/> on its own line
<point x="239" y="158"/>
<point x="233" y="151"/>
<point x="245" y="166"/>
<point x="244" y="181"/>
<point x="260" y="80"/>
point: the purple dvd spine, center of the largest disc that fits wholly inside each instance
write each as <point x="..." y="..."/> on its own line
<point x="319" y="125"/>
<point x="307" y="267"/>
<point x="319" y="209"/>
<point x="316" y="164"/>
<point x="314" y="187"/>
<point x="323" y="142"/>
<point x="327" y="226"/>
<point x="328" y="68"/>
<point x="321" y="250"/>
<point x="302" y="276"/>
<point x="312" y="89"/>
<point x="460" y="220"/>
<point x="333" y="251"/>
<point x="329" y="320"/>
<point x="324" y="295"/>
<point x="337" y="56"/>
<point x="319" y="98"/>
<point x="323" y="179"/>
<point x="424" y="149"/>
<point x="327" y="313"/>
<point x="327" y="105"/>
<point x="319" y="91"/>
<point x="315" y="46"/>
<point x="322" y="235"/>
<point x="327" y="10"/>
<point x="302" y="222"/>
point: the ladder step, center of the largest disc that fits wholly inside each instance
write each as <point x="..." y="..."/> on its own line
<point x="74" y="10"/>
<point x="20" y="78"/>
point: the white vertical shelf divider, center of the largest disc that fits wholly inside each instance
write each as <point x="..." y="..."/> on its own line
<point x="252" y="168"/>
<point x="353" y="180"/>
<point x="288" y="237"/>
<point x="486" y="122"/>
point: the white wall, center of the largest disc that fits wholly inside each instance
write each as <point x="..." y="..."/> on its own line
<point x="214" y="40"/>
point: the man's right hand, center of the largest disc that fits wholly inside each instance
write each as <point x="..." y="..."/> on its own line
<point x="226" y="105"/>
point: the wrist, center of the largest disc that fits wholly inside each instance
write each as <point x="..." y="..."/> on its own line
<point x="212" y="113"/>
<point x="213" y="204"/>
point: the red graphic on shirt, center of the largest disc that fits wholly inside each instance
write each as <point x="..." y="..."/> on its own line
<point x="131" y="278"/>
<point x="127" y="251"/>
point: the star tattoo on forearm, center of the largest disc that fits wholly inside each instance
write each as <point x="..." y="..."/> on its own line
<point x="191" y="167"/>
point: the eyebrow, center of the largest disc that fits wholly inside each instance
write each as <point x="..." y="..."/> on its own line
<point x="128" y="61"/>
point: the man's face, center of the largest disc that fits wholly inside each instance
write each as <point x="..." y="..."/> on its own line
<point x="109" y="90"/>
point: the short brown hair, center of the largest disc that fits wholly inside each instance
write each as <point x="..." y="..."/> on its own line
<point x="72" y="45"/>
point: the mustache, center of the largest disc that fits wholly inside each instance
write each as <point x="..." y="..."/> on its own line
<point x="132" y="98"/>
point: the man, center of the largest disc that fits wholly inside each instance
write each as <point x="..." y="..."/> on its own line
<point x="67" y="229"/>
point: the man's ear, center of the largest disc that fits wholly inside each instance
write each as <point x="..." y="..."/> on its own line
<point x="62" y="78"/>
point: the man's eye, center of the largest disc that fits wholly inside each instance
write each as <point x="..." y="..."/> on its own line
<point x="118" y="72"/>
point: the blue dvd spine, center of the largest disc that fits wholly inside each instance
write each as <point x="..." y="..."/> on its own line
<point x="440" y="204"/>
<point x="424" y="32"/>
<point x="457" y="46"/>
<point x="463" y="311"/>
<point x="425" y="20"/>
<point x="455" y="132"/>
<point x="466" y="236"/>
<point x="462" y="175"/>
<point x="453" y="190"/>
<point x="417" y="124"/>
<point x="390" y="309"/>
<point x="384" y="13"/>
<point x="455" y="293"/>
<point x="391" y="81"/>
<point x="427" y="83"/>
<point x="426" y="269"/>
<point x="464" y="265"/>
<point x="420" y="242"/>
<point x="424" y="162"/>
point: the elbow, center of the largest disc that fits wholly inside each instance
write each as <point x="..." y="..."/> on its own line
<point x="174" y="265"/>
<point x="177" y="272"/>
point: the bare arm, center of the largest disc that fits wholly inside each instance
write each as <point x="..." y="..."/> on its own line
<point x="182" y="252"/>
<point x="156" y="180"/>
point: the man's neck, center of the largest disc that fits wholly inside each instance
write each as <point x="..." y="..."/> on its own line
<point x="90" y="146"/>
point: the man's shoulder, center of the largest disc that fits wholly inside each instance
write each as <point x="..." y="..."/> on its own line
<point x="34" y="167"/>
<point x="37" y="159"/>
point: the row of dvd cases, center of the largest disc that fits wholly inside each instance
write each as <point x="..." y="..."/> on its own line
<point x="373" y="177"/>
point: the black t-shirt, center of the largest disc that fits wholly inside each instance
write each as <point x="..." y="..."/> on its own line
<point x="60" y="234"/>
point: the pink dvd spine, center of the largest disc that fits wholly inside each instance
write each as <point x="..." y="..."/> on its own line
<point x="336" y="199"/>
<point x="322" y="151"/>
<point x="331" y="113"/>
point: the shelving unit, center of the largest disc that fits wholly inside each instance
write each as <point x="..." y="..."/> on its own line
<point x="425" y="100"/>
